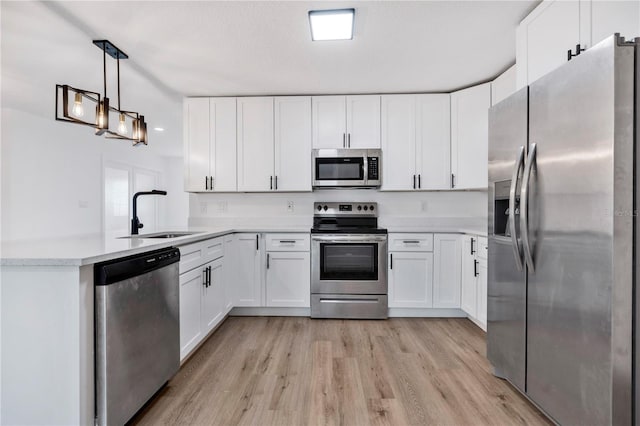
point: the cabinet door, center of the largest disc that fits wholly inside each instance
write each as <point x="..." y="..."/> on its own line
<point x="293" y="143"/>
<point x="399" y="142"/>
<point x="222" y="134"/>
<point x="481" y="313"/>
<point x="469" y="284"/>
<point x="363" y="121"/>
<point x="229" y="271"/>
<point x="469" y="136"/>
<point x="288" y="279"/>
<point x="255" y="144"/>
<point x="191" y="285"/>
<point x="196" y="143"/>
<point x="433" y="147"/>
<point x="446" y="271"/>
<point x="212" y="296"/>
<point x="545" y="35"/>
<point x="247" y="277"/>
<point x="609" y="17"/>
<point x="410" y="280"/>
<point x="329" y="122"/>
<point x="503" y="86"/>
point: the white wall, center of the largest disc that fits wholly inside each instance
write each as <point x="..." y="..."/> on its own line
<point x="447" y="209"/>
<point x="51" y="172"/>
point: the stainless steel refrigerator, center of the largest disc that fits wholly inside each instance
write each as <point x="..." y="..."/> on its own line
<point x="562" y="232"/>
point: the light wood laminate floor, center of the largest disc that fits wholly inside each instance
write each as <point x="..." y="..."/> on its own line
<point x="299" y="371"/>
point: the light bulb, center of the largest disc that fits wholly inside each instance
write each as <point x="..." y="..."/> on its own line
<point x="135" y="125"/>
<point x="122" y="127"/>
<point x="100" y="116"/>
<point x="78" y="109"/>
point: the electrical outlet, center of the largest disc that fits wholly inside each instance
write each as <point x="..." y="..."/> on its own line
<point x="203" y="207"/>
<point x="222" y="206"/>
<point x="290" y="206"/>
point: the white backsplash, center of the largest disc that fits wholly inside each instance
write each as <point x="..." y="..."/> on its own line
<point x="446" y="209"/>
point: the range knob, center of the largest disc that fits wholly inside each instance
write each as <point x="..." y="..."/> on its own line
<point x="319" y="208"/>
<point x="365" y="208"/>
<point x="359" y="208"/>
<point x="325" y="207"/>
<point x="371" y="207"/>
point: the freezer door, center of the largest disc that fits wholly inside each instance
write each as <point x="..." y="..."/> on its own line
<point x="580" y="230"/>
<point x="507" y="291"/>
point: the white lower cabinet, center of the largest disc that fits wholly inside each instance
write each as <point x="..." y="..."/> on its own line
<point x="446" y="271"/>
<point x="410" y="279"/>
<point x="474" y="278"/>
<point x="248" y="266"/>
<point x="229" y="272"/>
<point x="288" y="279"/>
<point x="202" y="291"/>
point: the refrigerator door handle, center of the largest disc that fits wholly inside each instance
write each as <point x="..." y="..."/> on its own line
<point x="524" y="206"/>
<point x="517" y="249"/>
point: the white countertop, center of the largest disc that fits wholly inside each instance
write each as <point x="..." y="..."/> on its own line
<point x="90" y="249"/>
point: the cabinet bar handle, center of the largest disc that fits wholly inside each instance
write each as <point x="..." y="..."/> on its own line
<point x="257" y="248"/>
<point x="475" y="268"/>
<point x="267" y="260"/>
<point x="414" y="181"/>
<point x="276" y="182"/>
<point x="209" y="276"/>
<point x="287" y="242"/>
<point x="453" y="182"/>
<point x="473" y="251"/>
<point x="204" y="277"/>
<point x="271" y="182"/>
<point x="344" y="140"/>
<point x="206" y="183"/>
<point x="411" y="242"/>
<point x="211" y="185"/>
<point x="348" y="140"/>
<point x="391" y="261"/>
<point x="419" y="183"/>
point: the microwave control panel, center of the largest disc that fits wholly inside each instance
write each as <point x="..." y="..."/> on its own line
<point x="372" y="163"/>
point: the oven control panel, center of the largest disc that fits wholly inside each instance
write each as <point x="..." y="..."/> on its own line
<point x="346" y="209"/>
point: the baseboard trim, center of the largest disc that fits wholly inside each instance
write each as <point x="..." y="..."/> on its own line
<point x="269" y="312"/>
<point x="426" y="313"/>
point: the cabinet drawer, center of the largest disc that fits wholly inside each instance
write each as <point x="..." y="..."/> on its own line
<point x="287" y="242"/>
<point x="483" y="248"/>
<point x="213" y="249"/>
<point x="410" y="242"/>
<point x="191" y="256"/>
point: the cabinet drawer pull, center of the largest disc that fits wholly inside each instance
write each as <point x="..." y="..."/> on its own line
<point x="287" y="242"/>
<point x="411" y="242"/>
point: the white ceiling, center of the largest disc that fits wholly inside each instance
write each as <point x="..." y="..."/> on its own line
<point x="264" y="47"/>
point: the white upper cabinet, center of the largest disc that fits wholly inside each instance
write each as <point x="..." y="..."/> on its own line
<point x="416" y="142"/>
<point x="292" y="143"/>
<point x="469" y="136"/>
<point x="556" y="26"/>
<point x="210" y="144"/>
<point x="434" y="142"/>
<point x="255" y="144"/>
<point x="222" y="142"/>
<point x="346" y="121"/>
<point x="399" y="142"/>
<point x="363" y="121"/>
<point x="503" y="86"/>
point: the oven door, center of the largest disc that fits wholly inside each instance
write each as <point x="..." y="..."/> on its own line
<point x="335" y="168"/>
<point x="348" y="264"/>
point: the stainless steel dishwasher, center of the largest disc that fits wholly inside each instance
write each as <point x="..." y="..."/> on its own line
<point x="137" y="331"/>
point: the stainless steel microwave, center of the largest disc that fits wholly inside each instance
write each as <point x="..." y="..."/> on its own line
<point x="347" y="168"/>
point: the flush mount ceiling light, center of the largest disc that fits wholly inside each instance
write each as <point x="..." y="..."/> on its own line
<point x="336" y="24"/>
<point x="70" y="101"/>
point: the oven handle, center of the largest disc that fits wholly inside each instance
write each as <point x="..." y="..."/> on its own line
<point x="349" y="238"/>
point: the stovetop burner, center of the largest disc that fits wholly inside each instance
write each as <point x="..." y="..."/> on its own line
<point x="346" y="218"/>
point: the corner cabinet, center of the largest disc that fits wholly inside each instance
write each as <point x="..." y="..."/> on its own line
<point x="248" y="253"/>
<point x="555" y="27"/>
<point x="470" y="137"/>
<point x="346" y="121"/>
<point x="210" y="144"/>
<point x="416" y="142"/>
<point x="474" y="278"/>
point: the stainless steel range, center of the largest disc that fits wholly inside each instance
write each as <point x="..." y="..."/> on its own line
<point x="348" y="262"/>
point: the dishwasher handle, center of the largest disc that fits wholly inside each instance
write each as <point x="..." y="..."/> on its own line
<point x="117" y="270"/>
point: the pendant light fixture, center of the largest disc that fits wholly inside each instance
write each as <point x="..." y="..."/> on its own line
<point x="74" y="112"/>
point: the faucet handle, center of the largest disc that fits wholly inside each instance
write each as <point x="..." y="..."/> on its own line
<point x="141" y="225"/>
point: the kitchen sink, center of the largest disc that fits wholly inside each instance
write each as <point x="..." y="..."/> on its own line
<point x="162" y="235"/>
